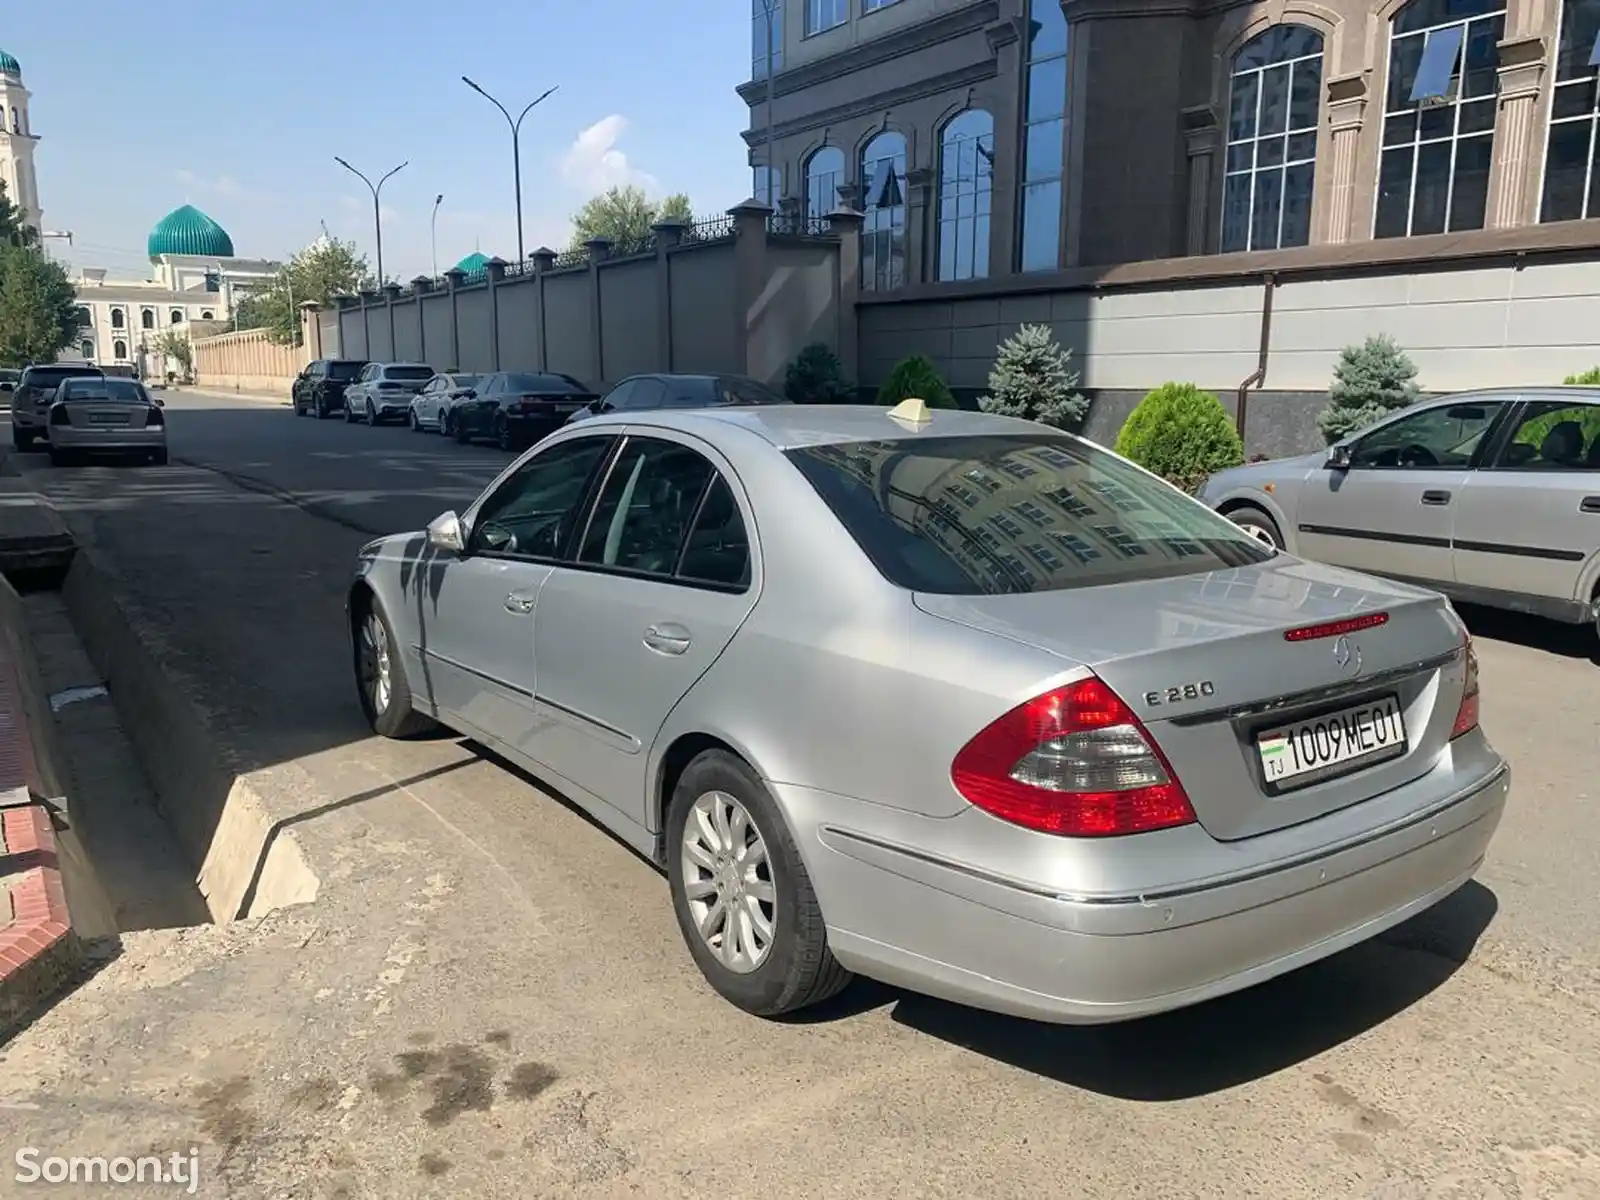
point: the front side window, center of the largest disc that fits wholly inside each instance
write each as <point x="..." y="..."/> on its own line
<point x="825" y="14"/>
<point x="1447" y="436"/>
<point x="534" y="513"/>
<point x="1104" y="520"/>
<point x="1554" y="435"/>
<point x="1439" y="111"/>
<point x="1274" y="98"/>
<point x="1044" y="137"/>
<point x="1572" y="156"/>
<point x="824" y="174"/>
<point x="966" y="191"/>
<point x="883" y="235"/>
<point x="649" y="501"/>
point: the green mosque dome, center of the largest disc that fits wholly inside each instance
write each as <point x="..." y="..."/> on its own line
<point x="9" y="65"/>
<point x="473" y="264"/>
<point x="187" y="230"/>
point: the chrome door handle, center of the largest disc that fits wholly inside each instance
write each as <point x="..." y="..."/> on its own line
<point x="667" y="638"/>
<point x="519" y="603"/>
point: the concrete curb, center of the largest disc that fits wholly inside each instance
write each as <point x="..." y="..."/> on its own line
<point x="38" y="950"/>
<point x="247" y="864"/>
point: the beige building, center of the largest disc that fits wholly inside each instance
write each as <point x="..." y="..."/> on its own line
<point x="988" y="138"/>
<point x="17" y="142"/>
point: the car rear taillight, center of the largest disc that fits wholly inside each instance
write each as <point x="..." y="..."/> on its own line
<point x="154" y="416"/>
<point x="59" y="415"/>
<point x="1467" y="714"/>
<point x="1075" y="762"/>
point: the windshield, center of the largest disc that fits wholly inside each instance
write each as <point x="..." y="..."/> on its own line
<point x="419" y="374"/>
<point x="1015" y="513"/>
<point x="52" y="377"/>
<point x="123" y="391"/>
<point x="543" y="383"/>
<point x="344" y="370"/>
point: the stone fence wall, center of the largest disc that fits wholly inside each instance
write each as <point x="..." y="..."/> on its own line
<point x="247" y="361"/>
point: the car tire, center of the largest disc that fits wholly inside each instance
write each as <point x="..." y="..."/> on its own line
<point x="447" y="427"/>
<point x="463" y="433"/>
<point x="158" y="458"/>
<point x="1258" y="525"/>
<point x="795" y="968"/>
<point x="321" y="410"/>
<point x="60" y="458"/>
<point x="388" y="707"/>
<point x="349" y="412"/>
<point x="372" y="416"/>
<point x="503" y="437"/>
<point x="22" y="439"/>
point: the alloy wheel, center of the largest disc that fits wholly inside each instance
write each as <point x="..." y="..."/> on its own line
<point x="372" y="414"/>
<point x="727" y="881"/>
<point x="376" y="668"/>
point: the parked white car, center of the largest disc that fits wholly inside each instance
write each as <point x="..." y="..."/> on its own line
<point x="430" y="408"/>
<point x="384" y="390"/>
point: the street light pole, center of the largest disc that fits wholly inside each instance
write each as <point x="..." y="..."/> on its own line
<point x="516" y="147"/>
<point x="377" y="213"/>
<point x="433" y="233"/>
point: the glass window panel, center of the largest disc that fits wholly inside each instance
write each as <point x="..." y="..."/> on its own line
<point x="1041" y="226"/>
<point x="1424" y="14"/>
<point x="1565" y="170"/>
<point x="1242" y="108"/>
<point x="1394" y="192"/>
<point x="1432" y="192"/>
<point x="1265" y="210"/>
<point x="1573" y="100"/>
<point x="1405" y="56"/>
<point x="1397" y="130"/>
<point x="1437" y="122"/>
<point x="1580" y="37"/>
<point x="1047" y="29"/>
<point x="1269" y="152"/>
<point x="1469" y="200"/>
<point x="1440" y="54"/>
<point x="1241" y="156"/>
<point x="1476" y="117"/>
<point x="1482" y="58"/>
<point x="1274" y="100"/>
<point x="1305" y="94"/>
<point x="1236" y="214"/>
<point x="1302" y="147"/>
<point x="1594" y="179"/>
<point x="1044" y="149"/>
<point x="1297" y="205"/>
<point x="1047" y="89"/>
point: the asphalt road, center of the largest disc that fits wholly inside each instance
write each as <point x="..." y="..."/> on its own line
<point x="490" y="997"/>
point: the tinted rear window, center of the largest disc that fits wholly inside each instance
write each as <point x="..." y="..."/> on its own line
<point x="1015" y="513"/>
<point x="344" y="370"/>
<point x="418" y="374"/>
<point x="543" y="383"/>
<point x="52" y="377"/>
<point x="123" y="391"/>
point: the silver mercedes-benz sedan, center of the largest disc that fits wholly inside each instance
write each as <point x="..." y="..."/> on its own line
<point x="950" y="700"/>
<point x="1491" y="497"/>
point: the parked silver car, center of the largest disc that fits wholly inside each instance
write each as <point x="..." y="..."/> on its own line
<point x="947" y="699"/>
<point x="1492" y="497"/>
<point x="105" y="415"/>
<point x="383" y="391"/>
<point x="430" y="408"/>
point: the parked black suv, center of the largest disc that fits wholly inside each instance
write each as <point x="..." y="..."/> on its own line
<point x="319" y="389"/>
<point x="31" y="396"/>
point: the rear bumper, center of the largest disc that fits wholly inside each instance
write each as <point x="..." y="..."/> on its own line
<point x="978" y="937"/>
<point x="69" y="437"/>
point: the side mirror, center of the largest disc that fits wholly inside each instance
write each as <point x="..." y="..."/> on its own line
<point x="445" y="533"/>
<point x="1338" y="459"/>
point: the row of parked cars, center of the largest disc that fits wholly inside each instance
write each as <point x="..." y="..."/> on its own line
<point x="512" y="409"/>
<point x="81" y="408"/>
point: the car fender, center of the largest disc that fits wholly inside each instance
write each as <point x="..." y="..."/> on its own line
<point x="1588" y="580"/>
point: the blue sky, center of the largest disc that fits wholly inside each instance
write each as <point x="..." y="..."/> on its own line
<point x="239" y="108"/>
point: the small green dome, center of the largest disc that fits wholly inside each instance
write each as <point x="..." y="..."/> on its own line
<point x="9" y="65"/>
<point x="473" y="263"/>
<point x="187" y="230"/>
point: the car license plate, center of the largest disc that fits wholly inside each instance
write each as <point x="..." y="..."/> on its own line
<point x="1332" y="744"/>
<point x="101" y="418"/>
<point x="566" y="408"/>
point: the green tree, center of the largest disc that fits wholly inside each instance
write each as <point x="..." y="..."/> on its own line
<point x="1370" y="381"/>
<point x="1589" y="378"/>
<point x="916" y="377"/>
<point x="323" y="270"/>
<point x="625" y="214"/>
<point x="173" y="345"/>
<point x="817" y="377"/>
<point x="1182" y="434"/>
<point x="38" y="310"/>
<point x="1033" y="379"/>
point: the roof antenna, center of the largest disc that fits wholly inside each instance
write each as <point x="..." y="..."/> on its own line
<point x="912" y="411"/>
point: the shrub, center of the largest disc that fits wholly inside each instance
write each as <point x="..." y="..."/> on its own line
<point x="916" y="377"/>
<point x="1589" y="378"/>
<point x="815" y="376"/>
<point x="1033" y="379"/>
<point x="1370" y="381"/>
<point x="1181" y="434"/>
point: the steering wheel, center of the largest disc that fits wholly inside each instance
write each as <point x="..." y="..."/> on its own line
<point x="1417" y="455"/>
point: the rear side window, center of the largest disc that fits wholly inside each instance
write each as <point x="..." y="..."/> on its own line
<point x="650" y="498"/>
<point x="412" y="374"/>
<point x="1015" y="513"/>
<point x="119" y="391"/>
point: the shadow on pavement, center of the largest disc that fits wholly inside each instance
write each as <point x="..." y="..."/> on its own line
<point x="1567" y="641"/>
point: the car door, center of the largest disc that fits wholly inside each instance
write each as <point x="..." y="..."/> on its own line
<point x="475" y="609"/>
<point x="477" y="417"/>
<point x="1528" y="523"/>
<point x="1390" y="511"/>
<point x="427" y="401"/>
<point x="355" y="397"/>
<point x="663" y="577"/>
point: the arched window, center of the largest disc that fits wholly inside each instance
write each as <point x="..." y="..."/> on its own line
<point x="966" y="189"/>
<point x="824" y="174"/>
<point x="119" y="350"/>
<point x="85" y="317"/>
<point x="1438" y="126"/>
<point x="1274" y="98"/>
<point x="205" y="315"/>
<point x="119" y="319"/>
<point x="175" y="317"/>
<point x="1572" y="158"/>
<point x="768" y="185"/>
<point x="883" y="236"/>
<point x="147" y="318"/>
<point x="86" y="348"/>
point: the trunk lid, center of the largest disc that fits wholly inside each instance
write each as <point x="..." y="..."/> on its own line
<point x="1203" y="661"/>
<point x="99" y="415"/>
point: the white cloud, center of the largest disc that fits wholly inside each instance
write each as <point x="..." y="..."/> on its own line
<point x="222" y="185"/>
<point x="593" y="163"/>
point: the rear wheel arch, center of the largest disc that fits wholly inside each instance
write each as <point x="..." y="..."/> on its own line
<point x="674" y="761"/>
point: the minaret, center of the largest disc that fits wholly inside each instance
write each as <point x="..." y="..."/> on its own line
<point x="16" y="144"/>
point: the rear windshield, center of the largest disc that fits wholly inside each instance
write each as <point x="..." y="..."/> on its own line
<point x="116" y="390"/>
<point x="543" y="383"/>
<point x="1015" y="513"/>
<point x="51" y="377"/>
<point x="344" y="370"/>
<point x="737" y="389"/>
<point x="463" y="381"/>
<point x="417" y="373"/>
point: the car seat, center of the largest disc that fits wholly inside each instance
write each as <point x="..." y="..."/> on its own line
<point x="1563" y="445"/>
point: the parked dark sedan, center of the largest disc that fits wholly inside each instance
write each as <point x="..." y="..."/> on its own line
<point x="319" y="389"/>
<point x="642" y="393"/>
<point x="516" y="408"/>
